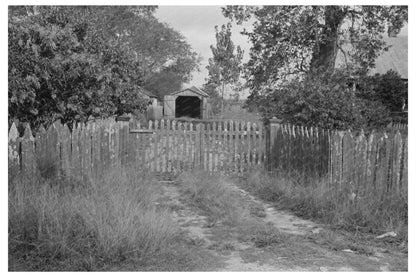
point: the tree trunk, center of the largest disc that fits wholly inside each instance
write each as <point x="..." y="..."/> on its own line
<point x="325" y="52"/>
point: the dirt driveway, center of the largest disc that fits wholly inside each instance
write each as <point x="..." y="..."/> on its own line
<point x="300" y="245"/>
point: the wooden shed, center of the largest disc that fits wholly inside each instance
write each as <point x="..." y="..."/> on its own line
<point x="191" y="102"/>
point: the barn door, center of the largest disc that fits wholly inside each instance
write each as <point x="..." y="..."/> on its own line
<point x="169" y="106"/>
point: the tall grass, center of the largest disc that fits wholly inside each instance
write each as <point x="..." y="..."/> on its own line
<point x="316" y="198"/>
<point x="89" y="224"/>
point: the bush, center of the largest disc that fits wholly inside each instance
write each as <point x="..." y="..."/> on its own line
<point x="322" y="100"/>
<point x="388" y="89"/>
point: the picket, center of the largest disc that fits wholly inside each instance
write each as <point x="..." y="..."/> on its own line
<point x="28" y="159"/>
<point x="370" y="163"/>
<point x="360" y="157"/>
<point x="397" y="158"/>
<point x="337" y="158"/>
<point x="42" y="158"/>
<point x="387" y="163"/>
<point x="404" y="172"/>
<point x="64" y="136"/>
<point x="96" y="152"/>
<point x="13" y="152"/>
<point x="87" y="151"/>
<point x="53" y="164"/>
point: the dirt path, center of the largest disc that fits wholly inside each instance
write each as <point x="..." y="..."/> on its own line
<point x="302" y="246"/>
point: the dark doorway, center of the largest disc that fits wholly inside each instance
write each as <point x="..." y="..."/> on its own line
<point x="188" y="106"/>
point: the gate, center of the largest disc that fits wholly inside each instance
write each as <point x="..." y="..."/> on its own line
<point x="172" y="146"/>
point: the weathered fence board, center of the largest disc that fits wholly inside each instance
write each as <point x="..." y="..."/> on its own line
<point x="374" y="164"/>
<point x="14" y="152"/>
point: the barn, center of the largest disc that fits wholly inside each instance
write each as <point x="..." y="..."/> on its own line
<point x="190" y="103"/>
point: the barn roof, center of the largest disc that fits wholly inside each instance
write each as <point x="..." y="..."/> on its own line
<point x="396" y="58"/>
<point x="194" y="90"/>
<point x="146" y="92"/>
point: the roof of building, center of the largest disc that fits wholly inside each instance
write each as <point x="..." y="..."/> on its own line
<point x="147" y="93"/>
<point x="396" y="58"/>
<point x="194" y="90"/>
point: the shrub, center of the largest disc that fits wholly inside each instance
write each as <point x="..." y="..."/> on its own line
<point x="323" y="100"/>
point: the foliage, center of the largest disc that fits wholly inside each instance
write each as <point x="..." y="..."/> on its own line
<point x="323" y="100"/>
<point x="164" y="82"/>
<point x="211" y="89"/>
<point x="290" y="40"/>
<point x="225" y="66"/>
<point x="390" y="90"/>
<point x="72" y="62"/>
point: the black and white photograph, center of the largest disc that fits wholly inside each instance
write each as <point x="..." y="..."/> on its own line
<point x="206" y="137"/>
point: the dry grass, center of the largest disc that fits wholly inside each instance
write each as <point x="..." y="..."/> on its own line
<point x="319" y="200"/>
<point x="239" y="217"/>
<point x="210" y="193"/>
<point x="63" y="225"/>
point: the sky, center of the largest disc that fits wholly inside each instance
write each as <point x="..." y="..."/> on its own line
<point x="197" y="24"/>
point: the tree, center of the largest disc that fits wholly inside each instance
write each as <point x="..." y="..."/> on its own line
<point x="324" y="100"/>
<point x="389" y="89"/>
<point x="71" y="62"/>
<point x="392" y="91"/>
<point x="290" y="40"/>
<point x="225" y="66"/>
<point x="164" y="82"/>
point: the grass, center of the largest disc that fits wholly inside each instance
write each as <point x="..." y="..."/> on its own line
<point x="58" y="224"/>
<point x="317" y="200"/>
<point x="226" y="208"/>
<point x="211" y="194"/>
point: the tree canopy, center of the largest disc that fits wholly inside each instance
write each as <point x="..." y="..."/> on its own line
<point x="225" y="66"/>
<point x="288" y="40"/>
<point x="292" y="73"/>
<point x="72" y="62"/>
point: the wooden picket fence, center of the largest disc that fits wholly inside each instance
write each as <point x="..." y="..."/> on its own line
<point x="162" y="146"/>
<point x="299" y="149"/>
<point x="361" y="164"/>
<point x="212" y="146"/>
<point x="376" y="164"/>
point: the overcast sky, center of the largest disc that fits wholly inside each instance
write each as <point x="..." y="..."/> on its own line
<point x="197" y="23"/>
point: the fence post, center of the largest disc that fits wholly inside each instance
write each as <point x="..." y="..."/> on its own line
<point x="271" y="132"/>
